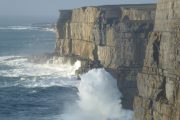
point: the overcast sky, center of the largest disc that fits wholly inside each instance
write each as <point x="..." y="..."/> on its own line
<point x="50" y="7"/>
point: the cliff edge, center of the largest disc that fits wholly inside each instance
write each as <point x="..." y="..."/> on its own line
<point x="112" y="36"/>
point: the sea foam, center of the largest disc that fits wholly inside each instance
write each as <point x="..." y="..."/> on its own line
<point x="38" y="75"/>
<point x="99" y="99"/>
<point x="28" y="27"/>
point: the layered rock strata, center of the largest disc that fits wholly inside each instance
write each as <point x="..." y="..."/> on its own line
<point x="159" y="81"/>
<point x="114" y="37"/>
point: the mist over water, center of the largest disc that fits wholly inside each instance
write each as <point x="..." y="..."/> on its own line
<point x="99" y="99"/>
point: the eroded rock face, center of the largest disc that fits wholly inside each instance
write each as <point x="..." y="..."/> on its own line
<point x="159" y="81"/>
<point x="114" y="37"/>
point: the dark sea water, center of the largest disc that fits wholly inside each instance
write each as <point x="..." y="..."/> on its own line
<point x="25" y="40"/>
<point x="51" y="91"/>
<point x="30" y="91"/>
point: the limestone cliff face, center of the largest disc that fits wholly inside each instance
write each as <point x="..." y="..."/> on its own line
<point x="113" y="36"/>
<point x="159" y="81"/>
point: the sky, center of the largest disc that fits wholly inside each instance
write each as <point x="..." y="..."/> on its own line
<point x="49" y="8"/>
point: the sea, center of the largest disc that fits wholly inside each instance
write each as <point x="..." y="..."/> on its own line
<point x="50" y="91"/>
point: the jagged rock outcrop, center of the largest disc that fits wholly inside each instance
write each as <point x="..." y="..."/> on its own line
<point x="159" y="81"/>
<point x="114" y="37"/>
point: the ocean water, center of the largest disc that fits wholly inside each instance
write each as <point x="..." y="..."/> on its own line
<point x="31" y="91"/>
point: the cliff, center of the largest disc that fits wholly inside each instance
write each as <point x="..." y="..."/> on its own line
<point x="159" y="81"/>
<point x="114" y="37"/>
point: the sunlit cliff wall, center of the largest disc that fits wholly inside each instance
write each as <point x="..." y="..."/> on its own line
<point x="159" y="81"/>
<point x="113" y="36"/>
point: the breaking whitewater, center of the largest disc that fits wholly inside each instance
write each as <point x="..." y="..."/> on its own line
<point x="51" y="91"/>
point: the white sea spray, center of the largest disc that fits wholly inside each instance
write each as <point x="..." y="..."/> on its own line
<point x="99" y="99"/>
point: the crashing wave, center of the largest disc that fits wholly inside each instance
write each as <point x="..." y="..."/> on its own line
<point x="99" y="99"/>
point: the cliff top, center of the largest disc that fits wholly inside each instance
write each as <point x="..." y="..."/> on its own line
<point x="139" y="6"/>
